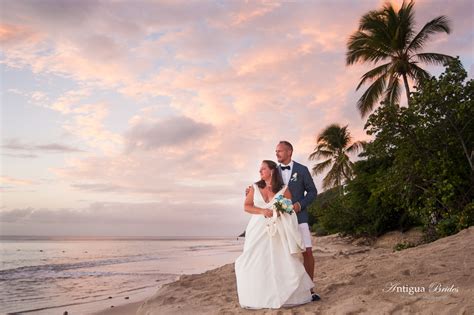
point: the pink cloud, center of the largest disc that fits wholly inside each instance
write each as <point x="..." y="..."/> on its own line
<point x="8" y="180"/>
<point x="12" y="35"/>
<point x="253" y="73"/>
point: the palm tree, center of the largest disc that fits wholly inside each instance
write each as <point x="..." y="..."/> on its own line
<point x="333" y="145"/>
<point x="387" y="35"/>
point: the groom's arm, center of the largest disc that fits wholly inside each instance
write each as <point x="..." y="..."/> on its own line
<point x="310" y="188"/>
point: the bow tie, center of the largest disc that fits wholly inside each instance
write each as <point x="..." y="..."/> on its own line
<point x="285" y="167"/>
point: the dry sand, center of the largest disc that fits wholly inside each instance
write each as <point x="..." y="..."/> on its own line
<point x="127" y="309"/>
<point x="351" y="278"/>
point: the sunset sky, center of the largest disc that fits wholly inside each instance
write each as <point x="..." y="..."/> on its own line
<point x="151" y="117"/>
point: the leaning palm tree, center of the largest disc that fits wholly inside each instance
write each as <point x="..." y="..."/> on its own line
<point x="333" y="145"/>
<point x="388" y="36"/>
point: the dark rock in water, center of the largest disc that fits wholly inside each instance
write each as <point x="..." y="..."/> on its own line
<point x="111" y="306"/>
<point x="126" y="298"/>
<point x="242" y="235"/>
<point x="110" y="297"/>
<point x="65" y="313"/>
<point x="41" y="250"/>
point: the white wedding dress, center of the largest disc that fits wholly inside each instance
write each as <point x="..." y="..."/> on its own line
<point x="270" y="272"/>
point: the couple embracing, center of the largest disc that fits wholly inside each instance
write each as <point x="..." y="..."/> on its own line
<point x="270" y="272"/>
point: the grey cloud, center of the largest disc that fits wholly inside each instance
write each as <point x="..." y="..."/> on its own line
<point x="14" y="144"/>
<point x="99" y="187"/>
<point x="125" y="18"/>
<point x="43" y="215"/>
<point x="15" y="215"/>
<point x="23" y="156"/>
<point x="141" y="219"/>
<point x="171" y="190"/>
<point x="70" y="12"/>
<point x="13" y="189"/>
<point x="55" y="147"/>
<point x="170" y="132"/>
<point x="102" y="47"/>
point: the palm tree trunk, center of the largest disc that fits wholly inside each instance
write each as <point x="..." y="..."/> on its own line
<point x="407" y="89"/>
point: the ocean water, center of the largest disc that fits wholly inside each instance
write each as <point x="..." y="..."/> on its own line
<point x="84" y="275"/>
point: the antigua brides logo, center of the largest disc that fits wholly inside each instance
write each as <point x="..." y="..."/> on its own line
<point x="434" y="287"/>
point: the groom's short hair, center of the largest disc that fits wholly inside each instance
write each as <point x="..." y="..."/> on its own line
<point x="288" y="145"/>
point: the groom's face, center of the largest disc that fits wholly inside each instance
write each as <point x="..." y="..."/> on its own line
<point x="283" y="153"/>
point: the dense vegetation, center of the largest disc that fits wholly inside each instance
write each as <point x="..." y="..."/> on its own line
<point x="418" y="170"/>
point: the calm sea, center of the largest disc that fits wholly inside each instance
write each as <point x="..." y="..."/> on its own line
<point x="84" y="275"/>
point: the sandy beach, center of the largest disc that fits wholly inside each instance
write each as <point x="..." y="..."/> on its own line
<point x="351" y="277"/>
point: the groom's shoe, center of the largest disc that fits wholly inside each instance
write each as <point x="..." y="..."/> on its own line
<point x="315" y="297"/>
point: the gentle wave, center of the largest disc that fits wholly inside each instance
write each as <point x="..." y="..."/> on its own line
<point x="24" y="272"/>
<point x="82" y="277"/>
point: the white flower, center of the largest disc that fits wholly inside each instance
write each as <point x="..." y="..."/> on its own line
<point x="294" y="178"/>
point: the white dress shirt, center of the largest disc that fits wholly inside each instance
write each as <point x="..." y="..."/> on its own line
<point x="286" y="174"/>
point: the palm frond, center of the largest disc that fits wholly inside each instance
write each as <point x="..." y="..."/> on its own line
<point x="356" y="147"/>
<point x="405" y="20"/>
<point x="418" y="73"/>
<point x="367" y="101"/>
<point x="380" y="70"/>
<point x="330" y="131"/>
<point x="392" y="95"/>
<point x="364" y="47"/>
<point x="348" y="170"/>
<point x="340" y="170"/>
<point x="320" y="167"/>
<point x="389" y="33"/>
<point x="433" y="58"/>
<point x="338" y="139"/>
<point x="332" y="179"/>
<point x="318" y="154"/>
<point x="322" y="144"/>
<point x="335" y="137"/>
<point x="437" y="25"/>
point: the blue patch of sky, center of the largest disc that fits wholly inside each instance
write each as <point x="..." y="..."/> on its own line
<point x="155" y="36"/>
<point x="31" y="124"/>
<point x="122" y="108"/>
<point x="21" y="118"/>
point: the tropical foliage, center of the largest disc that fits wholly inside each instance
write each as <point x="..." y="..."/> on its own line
<point x="388" y="35"/>
<point x="418" y="169"/>
<point x="333" y="146"/>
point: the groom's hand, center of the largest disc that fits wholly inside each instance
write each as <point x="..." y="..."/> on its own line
<point x="297" y="207"/>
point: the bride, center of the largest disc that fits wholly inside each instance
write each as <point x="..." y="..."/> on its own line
<point x="269" y="272"/>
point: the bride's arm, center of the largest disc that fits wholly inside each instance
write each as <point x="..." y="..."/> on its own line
<point x="250" y="207"/>
<point x="287" y="194"/>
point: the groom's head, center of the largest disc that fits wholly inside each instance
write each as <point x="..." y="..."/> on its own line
<point x="283" y="151"/>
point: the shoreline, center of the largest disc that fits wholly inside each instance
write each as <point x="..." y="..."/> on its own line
<point x="100" y="278"/>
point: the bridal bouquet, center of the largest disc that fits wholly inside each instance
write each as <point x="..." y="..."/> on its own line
<point x="283" y="205"/>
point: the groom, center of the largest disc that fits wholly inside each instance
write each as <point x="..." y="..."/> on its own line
<point x="299" y="181"/>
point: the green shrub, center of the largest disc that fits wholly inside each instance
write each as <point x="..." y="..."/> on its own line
<point x="417" y="170"/>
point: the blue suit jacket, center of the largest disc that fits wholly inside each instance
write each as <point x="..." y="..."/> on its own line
<point x="300" y="184"/>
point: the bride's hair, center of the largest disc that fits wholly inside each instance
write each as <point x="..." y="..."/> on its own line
<point x="277" y="180"/>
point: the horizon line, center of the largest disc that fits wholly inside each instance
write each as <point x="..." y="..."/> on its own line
<point x="169" y="237"/>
